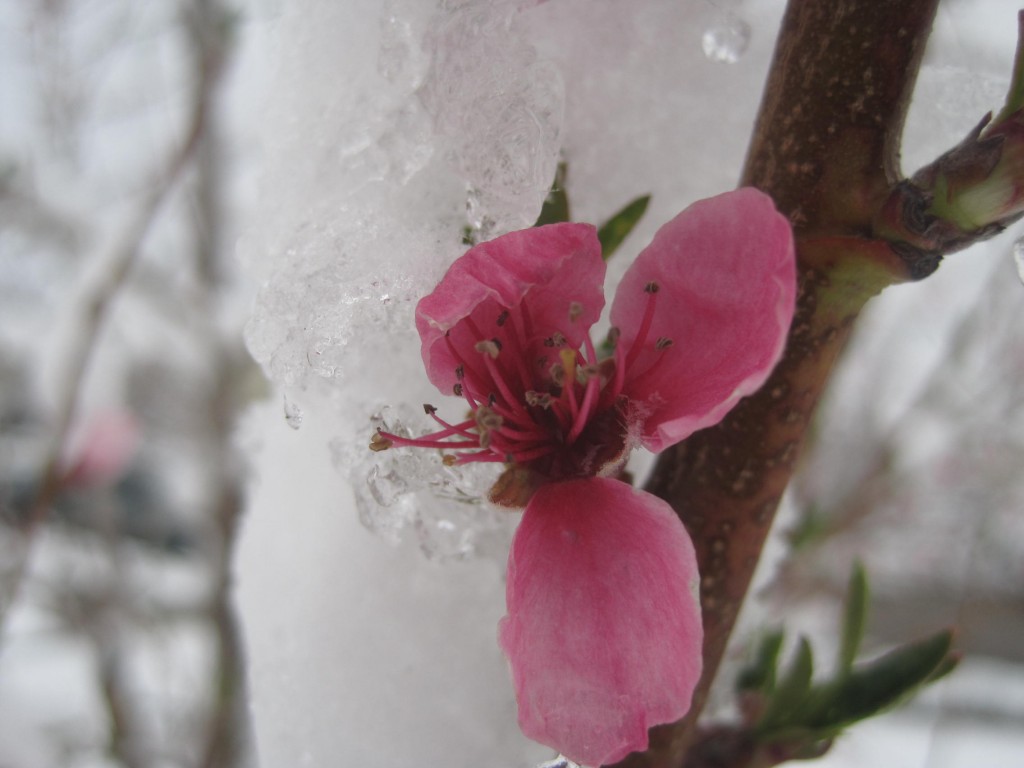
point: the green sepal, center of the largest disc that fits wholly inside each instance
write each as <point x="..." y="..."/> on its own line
<point x="759" y="675"/>
<point x="617" y="228"/>
<point x="556" y="205"/>
<point x="791" y="691"/>
<point x="854" y="619"/>
<point x="876" y="686"/>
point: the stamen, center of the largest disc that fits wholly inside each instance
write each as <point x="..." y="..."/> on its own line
<point x="568" y="357"/>
<point x="454" y="429"/>
<point x="663" y="343"/>
<point x="470" y="374"/>
<point x="430" y="441"/>
<point x="540" y="399"/>
<point x="569" y="389"/>
<point x="379" y="443"/>
<point x="510" y="400"/>
<point x="502" y="318"/>
<point x="589" y="399"/>
<point x="636" y="346"/>
<point x="516" y="350"/>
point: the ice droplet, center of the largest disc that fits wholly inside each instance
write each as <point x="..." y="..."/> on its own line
<point x="1018" y="257"/>
<point x="292" y="414"/>
<point x="726" y="40"/>
<point x="386" y="485"/>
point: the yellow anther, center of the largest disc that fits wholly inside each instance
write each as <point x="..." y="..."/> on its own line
<point x="569" y="366"/>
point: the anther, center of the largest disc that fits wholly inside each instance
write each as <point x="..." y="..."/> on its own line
<point x="502" y="318"/>
<point x="663" y="343"/>
<point x="457" y="390"/>
<point x="487" y="347"/>
<point x="460" y="372"/>
<point x="449" y="459"/>
<point x="541" y="399"/>
<point x="613" y="335"/>
<point x="651" y="287"/>
<point x="557" y="373"/>
<point x="429" y="409"/>
<point x="486" y="419"/>
<point x="575" y="310"/>
<point x="555" y="340"/>
<point x="379" y="443"/>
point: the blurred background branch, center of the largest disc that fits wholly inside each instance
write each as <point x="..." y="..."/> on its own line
<point x="135" y="574"/>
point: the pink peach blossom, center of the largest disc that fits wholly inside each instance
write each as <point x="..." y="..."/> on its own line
<point x="603" y="630"/>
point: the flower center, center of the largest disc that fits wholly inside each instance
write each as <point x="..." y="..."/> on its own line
<point x="537" y="401"/>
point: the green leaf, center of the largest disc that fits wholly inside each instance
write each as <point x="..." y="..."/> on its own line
<point x="879" y="684"/>
<point x="556" y="204"/>
<point x="790" y="692"/>
<point x="759" y="675"/>
<point x="854" y="619"/>
<point x="1015" y="96"/>
<point x="617" y="228"/>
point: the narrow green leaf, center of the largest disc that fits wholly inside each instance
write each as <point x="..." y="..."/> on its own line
<point x="556" y="204"/>
<point x="854" y="618"/>
<point x="790" y="691"/>
<point x="1015" y="96"/>
<point x="759" y="675"/>
<point x="878" y="685"/>
<point x="617" y="228"/>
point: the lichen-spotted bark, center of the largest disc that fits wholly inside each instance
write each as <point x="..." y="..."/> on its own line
<point x="825" y="147"/>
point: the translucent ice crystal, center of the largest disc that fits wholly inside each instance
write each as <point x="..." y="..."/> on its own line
<point x="404" y="493"/>
<point x="364" y="198"/>
<point x="497" y="108"/>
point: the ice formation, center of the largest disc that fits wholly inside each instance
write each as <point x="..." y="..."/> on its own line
<point x="387" y="129"/>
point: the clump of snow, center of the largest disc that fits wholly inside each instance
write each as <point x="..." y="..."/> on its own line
<point x="387" y="129"/>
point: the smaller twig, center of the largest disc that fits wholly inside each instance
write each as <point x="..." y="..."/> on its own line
<point x="95" y="309"/>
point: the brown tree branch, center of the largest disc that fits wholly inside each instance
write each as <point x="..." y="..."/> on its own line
<point x="825" y="147"/>
<point x="95" y="307"/>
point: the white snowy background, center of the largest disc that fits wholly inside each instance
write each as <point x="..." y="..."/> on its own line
<point x="357" y="139"/>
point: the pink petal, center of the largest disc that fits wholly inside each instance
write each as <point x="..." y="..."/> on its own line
<point x="101" y="450"/>
<point x="544" y="269"/>
<point x="603" y="633"/>
<point x="726" y="272"/>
